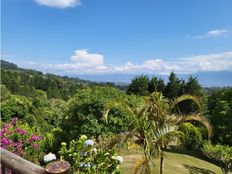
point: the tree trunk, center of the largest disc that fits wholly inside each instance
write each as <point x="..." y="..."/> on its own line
<point x="161" y="163"/>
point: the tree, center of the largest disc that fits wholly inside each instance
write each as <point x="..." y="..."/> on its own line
<point x="156" y="84"/>
<point x="139" y="85"/>
<point x="15" y="106"/>
<point x="53" y="91"/>
<point x="85" y="110"/>
<point x="5" y="93"/>
<point x="58" y="107"/>
<point x="161" y="114"/>
<point x="173" y="87"/>
<point x="155" y="124"/>
<point x="191" y="87"/>
<point x="220" y="114"/>
<point x="220" y="153"/>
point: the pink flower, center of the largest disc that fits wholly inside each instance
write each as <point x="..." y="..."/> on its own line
<point x="33" y="137"/>
<point x="16" y="144"/>
<point x="36" y="146"/>
<point x="16" y="130"/>
<point x="39" y="138"/>
<point x="4" y="141"/>
<point x="23" y="132"/>
<point x="10" y="141"/>
<point x="9" y="133"/>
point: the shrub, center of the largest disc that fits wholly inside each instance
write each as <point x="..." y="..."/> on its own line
<point x="18" y="106"/>
<point x="220" y="153"/>
<point x="192" y="138"/>
<point x="21" y="140"/>
<point x="84" y="114"/>
<point x="85" y="158"/>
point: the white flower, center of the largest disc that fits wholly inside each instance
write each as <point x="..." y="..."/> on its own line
<point x="89" y="142"/>
<point x="120" y="159"/>
<point x="49" y="157"/>
<point x="85" y="164"/>
<point x="94" y="149"/>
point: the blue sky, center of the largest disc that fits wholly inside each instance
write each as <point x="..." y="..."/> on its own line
<point x="123" y="36"/>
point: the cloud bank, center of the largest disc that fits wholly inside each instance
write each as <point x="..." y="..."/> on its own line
<point x="83" y="62"/>
<point x="212" y="33"/>
<point x="59" y="3"/>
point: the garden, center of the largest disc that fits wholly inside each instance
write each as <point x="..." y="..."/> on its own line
<point x="102" y="129"/>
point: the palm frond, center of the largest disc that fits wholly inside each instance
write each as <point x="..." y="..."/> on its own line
<point x="196" y="117"/>
<point x="163" y="136"/>
<point x="185" y="97"/>
<point x="164" y="133"/>
<point x="119" y="102"/>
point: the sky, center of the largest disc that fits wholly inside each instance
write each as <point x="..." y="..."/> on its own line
<point x="73" y="37"/>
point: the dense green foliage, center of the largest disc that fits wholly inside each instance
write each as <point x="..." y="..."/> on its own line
<point x="25" y="82"/>
<point x="220" y="115"/>
<point x="142" y="85"/>
<point x="139" y="85"/>
<point x="220" y="153"/>
<point x="17" y="106"/>
<point x="192" y="138"/>
<point x="85" y="113"/>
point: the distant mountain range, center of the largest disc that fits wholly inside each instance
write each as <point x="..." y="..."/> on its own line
<point x="206" y="79"/>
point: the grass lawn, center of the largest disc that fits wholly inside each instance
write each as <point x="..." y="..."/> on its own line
<point x="174" y="163"/>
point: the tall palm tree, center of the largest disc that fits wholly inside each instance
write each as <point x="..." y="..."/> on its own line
<point x="166" y="118"/>
<point x="155" y="123"/>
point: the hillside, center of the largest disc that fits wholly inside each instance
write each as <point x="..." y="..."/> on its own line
<point x="24" y="82"/>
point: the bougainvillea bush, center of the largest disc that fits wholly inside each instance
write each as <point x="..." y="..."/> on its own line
<point x="86" y="158"/>
<point x="21" y="140"/>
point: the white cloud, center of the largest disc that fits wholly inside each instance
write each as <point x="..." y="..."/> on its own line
<point x="85" y="63"/>
<point x="59" y="3"/>
<point x="210" y="62"/>
<point x="212" y="33"/>
<point x="84" y="58"/>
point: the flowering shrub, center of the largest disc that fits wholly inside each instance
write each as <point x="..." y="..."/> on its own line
<point x="21" y="142"/>
<point x="85" y="158"/>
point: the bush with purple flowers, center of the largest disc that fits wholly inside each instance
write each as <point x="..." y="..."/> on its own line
<point x="21" y="140"/>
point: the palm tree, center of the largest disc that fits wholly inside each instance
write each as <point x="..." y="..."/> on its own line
<point x="155" y="123"/>
<point x="167" y="118"/>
